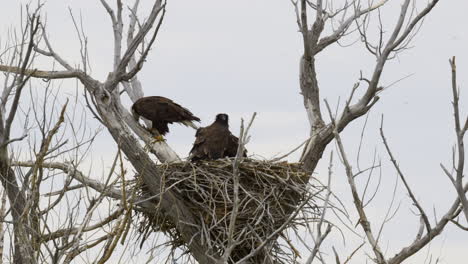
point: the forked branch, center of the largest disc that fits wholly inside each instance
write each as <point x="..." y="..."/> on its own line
<point x="460" y="130"/>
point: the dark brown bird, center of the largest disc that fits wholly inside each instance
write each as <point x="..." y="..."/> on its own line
<point x="162" y="111"/>
<point x="215" y="141"/>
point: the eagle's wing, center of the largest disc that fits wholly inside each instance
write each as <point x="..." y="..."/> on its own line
<point x="173" y="112"/>
<point x="162" y="111"/>
<point x="200" y="136"/>
<point x="198" y="150"/>
<point x="233" y="144"/>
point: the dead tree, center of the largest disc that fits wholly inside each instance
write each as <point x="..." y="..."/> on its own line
<point x="11" y="95"/>
<point x="322" y="133"/>
<point x="314" y="43"/>
<point x="129" y="55"/>
<point x="107" y="106"/>
<point x="43" y="143"/>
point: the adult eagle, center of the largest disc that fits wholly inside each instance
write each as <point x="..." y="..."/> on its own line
<point x="162" y="111"/>
<point x="215" y="141"/>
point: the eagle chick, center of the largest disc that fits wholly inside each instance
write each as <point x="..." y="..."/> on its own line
<point x="215" y="141"/>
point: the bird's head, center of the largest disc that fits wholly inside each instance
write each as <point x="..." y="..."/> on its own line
<point x="222" y="118"/>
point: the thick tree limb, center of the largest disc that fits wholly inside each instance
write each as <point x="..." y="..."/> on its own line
<point x="322" y="134"/>
<point x="48" y="75"/>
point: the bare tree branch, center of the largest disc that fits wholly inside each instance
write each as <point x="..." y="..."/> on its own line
<point x="243" y="139"/>
<point x="322" y="134"/>
<point x="363" y="220"/>
<point x="458" y="179"/>
<point x="417" y="245"/>
<point x="321" y="237"/>
<point x="402" y="177"/>
<point x="137" y="40"/>
<point x="341" y="30"/>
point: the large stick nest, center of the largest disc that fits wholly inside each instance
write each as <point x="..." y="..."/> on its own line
<point x="270" y="195"/>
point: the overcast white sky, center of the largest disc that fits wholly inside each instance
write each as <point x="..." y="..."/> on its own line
<point x="240" y="57"/>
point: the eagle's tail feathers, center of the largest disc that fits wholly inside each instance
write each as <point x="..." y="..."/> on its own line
<point x="189" y="124"/>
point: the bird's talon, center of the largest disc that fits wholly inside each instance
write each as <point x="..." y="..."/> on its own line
<point x="158" y="139"/>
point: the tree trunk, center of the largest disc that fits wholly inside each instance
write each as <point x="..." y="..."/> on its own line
<point x="23" y="252"/>
<point x="171" y="206"/>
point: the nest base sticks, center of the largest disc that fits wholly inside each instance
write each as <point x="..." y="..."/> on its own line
<point x="270" y="195"/>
